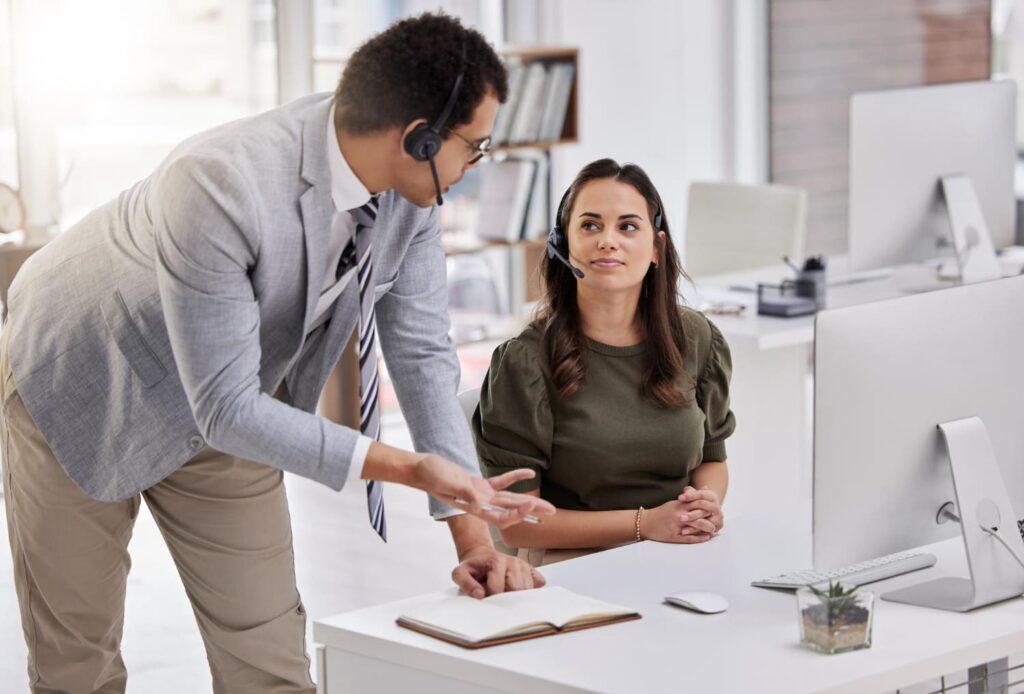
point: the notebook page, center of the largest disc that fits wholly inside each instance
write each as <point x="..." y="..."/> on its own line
<point x="476" y="620"/>
<point x="555" y="604"/>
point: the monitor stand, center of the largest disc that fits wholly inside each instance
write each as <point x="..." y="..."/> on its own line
<point x="919" y="279"/>
<point x="983" y="501"/>
<point x="974" y="256"/>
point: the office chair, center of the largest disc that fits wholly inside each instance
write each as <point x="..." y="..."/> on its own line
<point x="732" y="227"/>
<point x="468" y="400"/>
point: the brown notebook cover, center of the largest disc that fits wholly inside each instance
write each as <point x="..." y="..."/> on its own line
<point x="443" y="636"/>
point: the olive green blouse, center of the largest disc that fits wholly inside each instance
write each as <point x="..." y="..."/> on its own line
<point x="606" y="446"/>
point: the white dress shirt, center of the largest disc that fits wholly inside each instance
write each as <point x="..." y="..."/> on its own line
<point x="348" y="193"/>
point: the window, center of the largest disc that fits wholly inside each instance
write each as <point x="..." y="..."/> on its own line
<point x="340" y="26"/>
<point x="8" y="143"/>
<point x="124" y="82"/>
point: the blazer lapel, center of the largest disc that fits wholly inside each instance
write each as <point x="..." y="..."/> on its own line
<point x="316" y="204"/>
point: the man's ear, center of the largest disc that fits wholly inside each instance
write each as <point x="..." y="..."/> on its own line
<point x="660" y="243"/>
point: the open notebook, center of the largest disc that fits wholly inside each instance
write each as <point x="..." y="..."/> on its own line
<point x="514" y="616"/>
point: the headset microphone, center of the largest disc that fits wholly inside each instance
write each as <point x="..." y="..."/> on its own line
<point x="437" y="182"/>
<point x="553" y="252"/>
<point x="557" y="240"/>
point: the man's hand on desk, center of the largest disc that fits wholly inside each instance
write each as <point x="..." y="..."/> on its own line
<point x="486" y="571"/>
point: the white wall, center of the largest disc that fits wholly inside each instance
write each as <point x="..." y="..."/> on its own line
<point x="655" y="89"/>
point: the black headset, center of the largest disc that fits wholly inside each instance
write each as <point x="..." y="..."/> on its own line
<point x="558" y="242"/>
<point x="424" y="142"/>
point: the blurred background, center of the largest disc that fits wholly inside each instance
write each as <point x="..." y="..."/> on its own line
<point x="94" y="94"/>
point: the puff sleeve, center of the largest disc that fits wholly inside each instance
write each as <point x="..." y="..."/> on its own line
<point x="513" y="425"/>
<point x="713" y="397"/>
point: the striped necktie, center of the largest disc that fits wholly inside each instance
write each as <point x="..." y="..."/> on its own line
<point x="369" y="412"/>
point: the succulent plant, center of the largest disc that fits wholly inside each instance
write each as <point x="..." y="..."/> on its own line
<point x="834" y="591"/>
<point x="840" y="605"/>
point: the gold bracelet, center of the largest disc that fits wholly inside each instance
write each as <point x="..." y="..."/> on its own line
<point x="639" y="512"/>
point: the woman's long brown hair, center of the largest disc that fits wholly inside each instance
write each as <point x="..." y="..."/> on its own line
<point x="558" y="316"/>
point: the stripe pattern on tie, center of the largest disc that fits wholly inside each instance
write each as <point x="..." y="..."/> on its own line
<point x="369" y="382"/>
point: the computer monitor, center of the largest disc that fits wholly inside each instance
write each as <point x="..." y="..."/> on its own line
<point x="903" y="143"/>
<point x="886" y="374"/>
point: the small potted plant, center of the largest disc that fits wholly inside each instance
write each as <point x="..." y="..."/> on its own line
<point x="835" y="620"/>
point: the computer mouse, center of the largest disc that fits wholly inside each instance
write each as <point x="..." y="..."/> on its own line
<point x="699" y="601"/>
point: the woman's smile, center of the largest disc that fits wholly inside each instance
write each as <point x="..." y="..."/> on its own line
<point x="607" y="263"/>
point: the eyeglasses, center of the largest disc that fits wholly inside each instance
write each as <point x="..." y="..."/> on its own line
<point x="479" y="149"/>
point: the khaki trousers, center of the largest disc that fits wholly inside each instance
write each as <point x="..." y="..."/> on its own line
<point x="225" y="521"/>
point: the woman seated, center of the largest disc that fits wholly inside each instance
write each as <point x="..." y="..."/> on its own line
<point x="616" y="395"/>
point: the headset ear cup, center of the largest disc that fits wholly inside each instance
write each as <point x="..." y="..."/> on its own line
<point x="422" y="143"/>
<point x="557" y="239"/>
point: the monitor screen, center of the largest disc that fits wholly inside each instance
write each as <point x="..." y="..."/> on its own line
<point x="902" y="142"/>
<point x="886" y="374"/>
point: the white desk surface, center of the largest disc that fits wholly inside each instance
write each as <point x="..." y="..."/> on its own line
<point x="770" y="332"/>
<point x="754" y="646"/>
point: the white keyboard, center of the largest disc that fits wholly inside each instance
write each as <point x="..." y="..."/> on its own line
<point x="853" y="575"/>
<point x="857" y="277"/>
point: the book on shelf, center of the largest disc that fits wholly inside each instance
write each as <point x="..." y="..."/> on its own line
<point x="556" y="101"/>
<point x="526" y="120"/>
<point x="505" y="190"/>
<point x="503" y="121"/>
<point x="538" y="102"/>
<point x="512" y="616"/>
<point x="535" y="223"/>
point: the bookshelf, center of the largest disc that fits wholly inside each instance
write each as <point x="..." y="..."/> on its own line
<point x="464" y="245"/>
<point x="554" y="87"/>
<point x="540" y="114"/>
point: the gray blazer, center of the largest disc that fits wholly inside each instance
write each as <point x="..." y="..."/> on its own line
<point x="165" y="320"/>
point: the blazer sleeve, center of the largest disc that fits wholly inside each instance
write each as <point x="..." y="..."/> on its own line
<point x="207" y="237"/>
<point x="412" y="323"/>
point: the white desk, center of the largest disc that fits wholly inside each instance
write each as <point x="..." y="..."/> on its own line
<point x="769" y="332"/>
<point x="752" y="647"/>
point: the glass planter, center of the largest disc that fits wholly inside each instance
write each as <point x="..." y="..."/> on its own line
<point x="835" y="625"/>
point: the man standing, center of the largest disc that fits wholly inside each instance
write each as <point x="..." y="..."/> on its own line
<point x="172" y="347"/>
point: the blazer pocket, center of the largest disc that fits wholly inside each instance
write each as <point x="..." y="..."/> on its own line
<point x="139" y="355"/>
<point x="383" y="288"/>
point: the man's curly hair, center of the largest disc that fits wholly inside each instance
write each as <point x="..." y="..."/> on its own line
<point x="407" y="72"/>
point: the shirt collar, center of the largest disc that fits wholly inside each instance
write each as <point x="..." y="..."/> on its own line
<point x="347" y="191"/>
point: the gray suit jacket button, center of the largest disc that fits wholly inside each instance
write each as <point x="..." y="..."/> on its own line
<point x="196" y="442"/>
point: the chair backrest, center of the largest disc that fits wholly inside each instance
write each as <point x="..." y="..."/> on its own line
<point x="468" y="400"/>
<point x="732" y="227"/>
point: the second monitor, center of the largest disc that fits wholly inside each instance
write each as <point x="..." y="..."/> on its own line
<point x="924" y="156"/>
